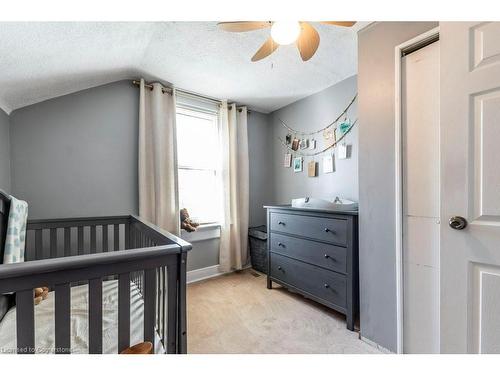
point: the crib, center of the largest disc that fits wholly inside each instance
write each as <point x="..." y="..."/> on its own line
<point x="121" y="252"/>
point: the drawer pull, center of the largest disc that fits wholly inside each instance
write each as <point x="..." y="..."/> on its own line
<point x="328" y="230"/>
<point x="281" y="223"/>
<point x="279" y="268"/>
<point x="329" y="257"/>
<point x="327" y="286"/>
<point x="280" y="244"/>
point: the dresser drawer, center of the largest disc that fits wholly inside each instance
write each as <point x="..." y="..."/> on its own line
<point x="320" y="228"/>
<point x="327" y="285"/>
<point x="318" y="253"/>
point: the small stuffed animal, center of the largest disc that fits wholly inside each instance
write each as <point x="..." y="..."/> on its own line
<point x="186" y="222"/>
<point x="41" y="294"/>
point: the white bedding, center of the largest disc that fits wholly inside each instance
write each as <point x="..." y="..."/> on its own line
<point x="44" y="322"/>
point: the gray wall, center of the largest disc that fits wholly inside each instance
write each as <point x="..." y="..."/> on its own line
<point x="311" y="113"/>
<point x="4" y="152"/>
<point x="76" y="155"/>
<point x="261" y="178"/>
<point x="205" y="253"/>
<point x="377" y="176"/>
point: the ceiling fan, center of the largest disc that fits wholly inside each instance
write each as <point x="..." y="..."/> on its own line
<point x="302" y="33"/>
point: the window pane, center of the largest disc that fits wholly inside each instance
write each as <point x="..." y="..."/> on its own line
<point x="197" y="141"/>
<point x="198" y="192"/>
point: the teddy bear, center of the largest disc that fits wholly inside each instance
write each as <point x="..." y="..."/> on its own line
<point x="41" y="294"/>
<point x="186" y="222"/>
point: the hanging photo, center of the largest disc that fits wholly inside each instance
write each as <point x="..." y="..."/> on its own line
<point x="312" y="144"/>
<point x="342" y="151"/>
<point x="312" y="169"/>
<point x="304" y="143"/>
<point x="328" y="163"/>
<point x="295" y="144"/>
<point x="288" y="139"/>
<point x="344" y="127"/>
<point x="287" y="162"/>
<point x="329" y="137"/>
<point x="297" y="164"/>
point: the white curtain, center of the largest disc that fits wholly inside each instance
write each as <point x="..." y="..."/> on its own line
<point x="158" y="186"/>
<point x="234" y="228"/>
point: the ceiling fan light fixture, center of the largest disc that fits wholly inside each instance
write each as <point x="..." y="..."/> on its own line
<point x="285" y="32"/>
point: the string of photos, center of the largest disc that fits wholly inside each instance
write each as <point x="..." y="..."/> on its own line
<point x="304" y="144"/>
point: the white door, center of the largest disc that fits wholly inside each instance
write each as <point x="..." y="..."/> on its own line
<point x="420" y="145"/>
<point x="470" y="177"/>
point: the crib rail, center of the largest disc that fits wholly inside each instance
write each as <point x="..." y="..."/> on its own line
<point x="154" y="259"/>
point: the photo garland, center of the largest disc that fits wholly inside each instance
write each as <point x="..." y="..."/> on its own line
<point x="329" y="147"/>
<point x="297" y="145"/>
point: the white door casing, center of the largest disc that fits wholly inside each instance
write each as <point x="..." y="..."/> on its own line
<point x="470" y="186"/>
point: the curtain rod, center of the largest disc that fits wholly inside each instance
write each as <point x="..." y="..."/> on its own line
<point x="168" y="90"/>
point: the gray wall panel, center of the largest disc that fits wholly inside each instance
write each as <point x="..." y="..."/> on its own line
<point x="260" y="154"/>
<point x="4" y="152"/>
<point x="76" y="155"/>
<point x="377" y="176"/>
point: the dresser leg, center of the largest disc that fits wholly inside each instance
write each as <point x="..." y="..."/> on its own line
<point x="269" y="283"/>
<point x="350" y="322"/>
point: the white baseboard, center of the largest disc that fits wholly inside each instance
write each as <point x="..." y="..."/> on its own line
<point x="204" y="273"/>
<point x="208" y="273"/>
<point x="375" y="345"/>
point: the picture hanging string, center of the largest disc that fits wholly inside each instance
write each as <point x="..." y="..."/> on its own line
<point x="296" y="152"/>
<point x="295" y="132"/>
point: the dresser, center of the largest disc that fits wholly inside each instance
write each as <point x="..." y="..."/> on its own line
<point x="315" y="253"/>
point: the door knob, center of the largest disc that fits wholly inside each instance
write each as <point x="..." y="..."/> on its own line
<point x="458" y="222"/>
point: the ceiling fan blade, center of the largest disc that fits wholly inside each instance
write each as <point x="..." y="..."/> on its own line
<point x="339" y="23"/>
<point x="308" y="41"/>
<point x="242" y="26"/>
<point x="265" y="50"/>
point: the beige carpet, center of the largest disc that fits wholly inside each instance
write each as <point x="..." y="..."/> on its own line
<point x="236" y="313"/>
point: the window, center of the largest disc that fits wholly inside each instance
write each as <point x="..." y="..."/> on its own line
<point x="198" y="158"/>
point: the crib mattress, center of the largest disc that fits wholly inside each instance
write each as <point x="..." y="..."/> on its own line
<point x="44" y="322"/>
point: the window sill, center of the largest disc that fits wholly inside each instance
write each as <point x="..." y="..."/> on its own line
<point x="203" y="232"/>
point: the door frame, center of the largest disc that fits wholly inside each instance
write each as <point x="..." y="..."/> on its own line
<point x="413" y="44"/>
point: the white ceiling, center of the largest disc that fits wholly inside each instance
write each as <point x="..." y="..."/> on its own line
<point x="39" y="61"/>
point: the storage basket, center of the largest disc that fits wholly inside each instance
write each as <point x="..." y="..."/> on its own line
<point x="258" y="247"/>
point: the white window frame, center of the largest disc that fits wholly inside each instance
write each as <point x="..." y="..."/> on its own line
<point x="206" y="114"/>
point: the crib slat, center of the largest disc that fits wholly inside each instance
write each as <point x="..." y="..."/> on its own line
<point x="80" y="240"/>
<point x="123" y="311"/>
<point x="63" y="318"/>
<point x="159" y="291"/>
<point x="53" y="242"/>
<point x="29" y="253"/>
<point x="181" y="301"/>
<point x="105" y="238"/>
<point x="116" y="241"/>
<point x="149" y="304"/>
<point x="127" y="236"/>
<point x="38" y="244"/>
<point x="171" y="309"/>
<point x="93" y="240"/>
<point x="25" y="322"/>
<point x="67" y="242"/>
<point x="95" y="316"/>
